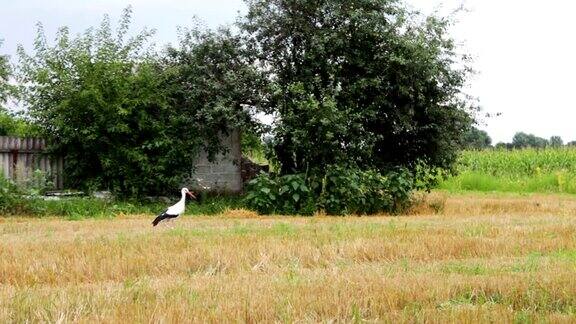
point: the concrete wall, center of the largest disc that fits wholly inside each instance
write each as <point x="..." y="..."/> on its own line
<point x="224" y="174"/>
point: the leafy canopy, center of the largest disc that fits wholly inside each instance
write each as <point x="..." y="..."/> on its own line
<point x="211" y="79"/>
<point x="100" y="103"/>
<point x="365" y="83"/>
<point x="125" y="118"/>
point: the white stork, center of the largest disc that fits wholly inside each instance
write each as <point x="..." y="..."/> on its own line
<point x="175" y="210"/>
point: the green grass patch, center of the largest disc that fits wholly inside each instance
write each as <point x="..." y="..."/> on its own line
<point x="568" y="255"/>
<point x="544" y="183"/>
<point x="83" y="208"/>
<point x="529" y="264"/>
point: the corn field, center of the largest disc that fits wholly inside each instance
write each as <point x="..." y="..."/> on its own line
<point x="550" y="170"/>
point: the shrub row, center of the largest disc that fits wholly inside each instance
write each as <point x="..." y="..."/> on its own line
<point x="15" y="200"/>
<point x="339" y="191"/>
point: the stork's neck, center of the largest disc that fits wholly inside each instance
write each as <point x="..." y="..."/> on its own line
<point x="183" y="199"/>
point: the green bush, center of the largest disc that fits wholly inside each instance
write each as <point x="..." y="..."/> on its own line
<point x="10" y="198"/>
<point x="129" y="120"/>
<point x="288" y="194"/>
<point x="38" y="184"/>
<point x="340" y="191"/>
<point x="352" y="191"/>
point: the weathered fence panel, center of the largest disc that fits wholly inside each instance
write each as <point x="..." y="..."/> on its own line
<point x="21" y="157"/>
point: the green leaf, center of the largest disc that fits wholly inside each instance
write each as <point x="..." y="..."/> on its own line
<point x="295" y="185"/>
<point x="265" y="190"/>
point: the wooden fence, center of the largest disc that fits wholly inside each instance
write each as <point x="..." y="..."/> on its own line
<point x="21" y="157"/>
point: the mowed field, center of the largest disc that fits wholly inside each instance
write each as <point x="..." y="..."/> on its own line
<point x="455" y="258"/>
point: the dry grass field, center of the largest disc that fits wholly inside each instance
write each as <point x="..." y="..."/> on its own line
<point x="460" y="259"/>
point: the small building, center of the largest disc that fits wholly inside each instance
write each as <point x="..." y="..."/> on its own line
<point x="222" y="175"/>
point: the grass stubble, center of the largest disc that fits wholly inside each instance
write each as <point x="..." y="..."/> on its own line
<point x="456" y="258"/>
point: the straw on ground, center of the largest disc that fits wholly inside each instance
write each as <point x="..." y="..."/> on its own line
<point x="506" y="259"/>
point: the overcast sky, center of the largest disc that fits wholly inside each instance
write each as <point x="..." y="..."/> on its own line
<point x="524" y="50"/>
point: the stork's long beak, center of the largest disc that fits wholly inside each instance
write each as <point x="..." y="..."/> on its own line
<point x="191" y="195"/>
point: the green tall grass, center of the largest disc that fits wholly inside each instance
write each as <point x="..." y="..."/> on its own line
<point x="551" y="170"/>
<point x="82" y="208"/>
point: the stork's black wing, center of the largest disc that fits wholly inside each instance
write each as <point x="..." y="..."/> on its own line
<point x="162" y="217"/>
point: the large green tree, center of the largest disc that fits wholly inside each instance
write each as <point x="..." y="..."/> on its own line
<point x="365" y="83"/>
<point x="126" y="119"/>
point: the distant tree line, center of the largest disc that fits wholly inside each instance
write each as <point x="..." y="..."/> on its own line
<point x="524" y="140"/>
<point x="476" y="139"/>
